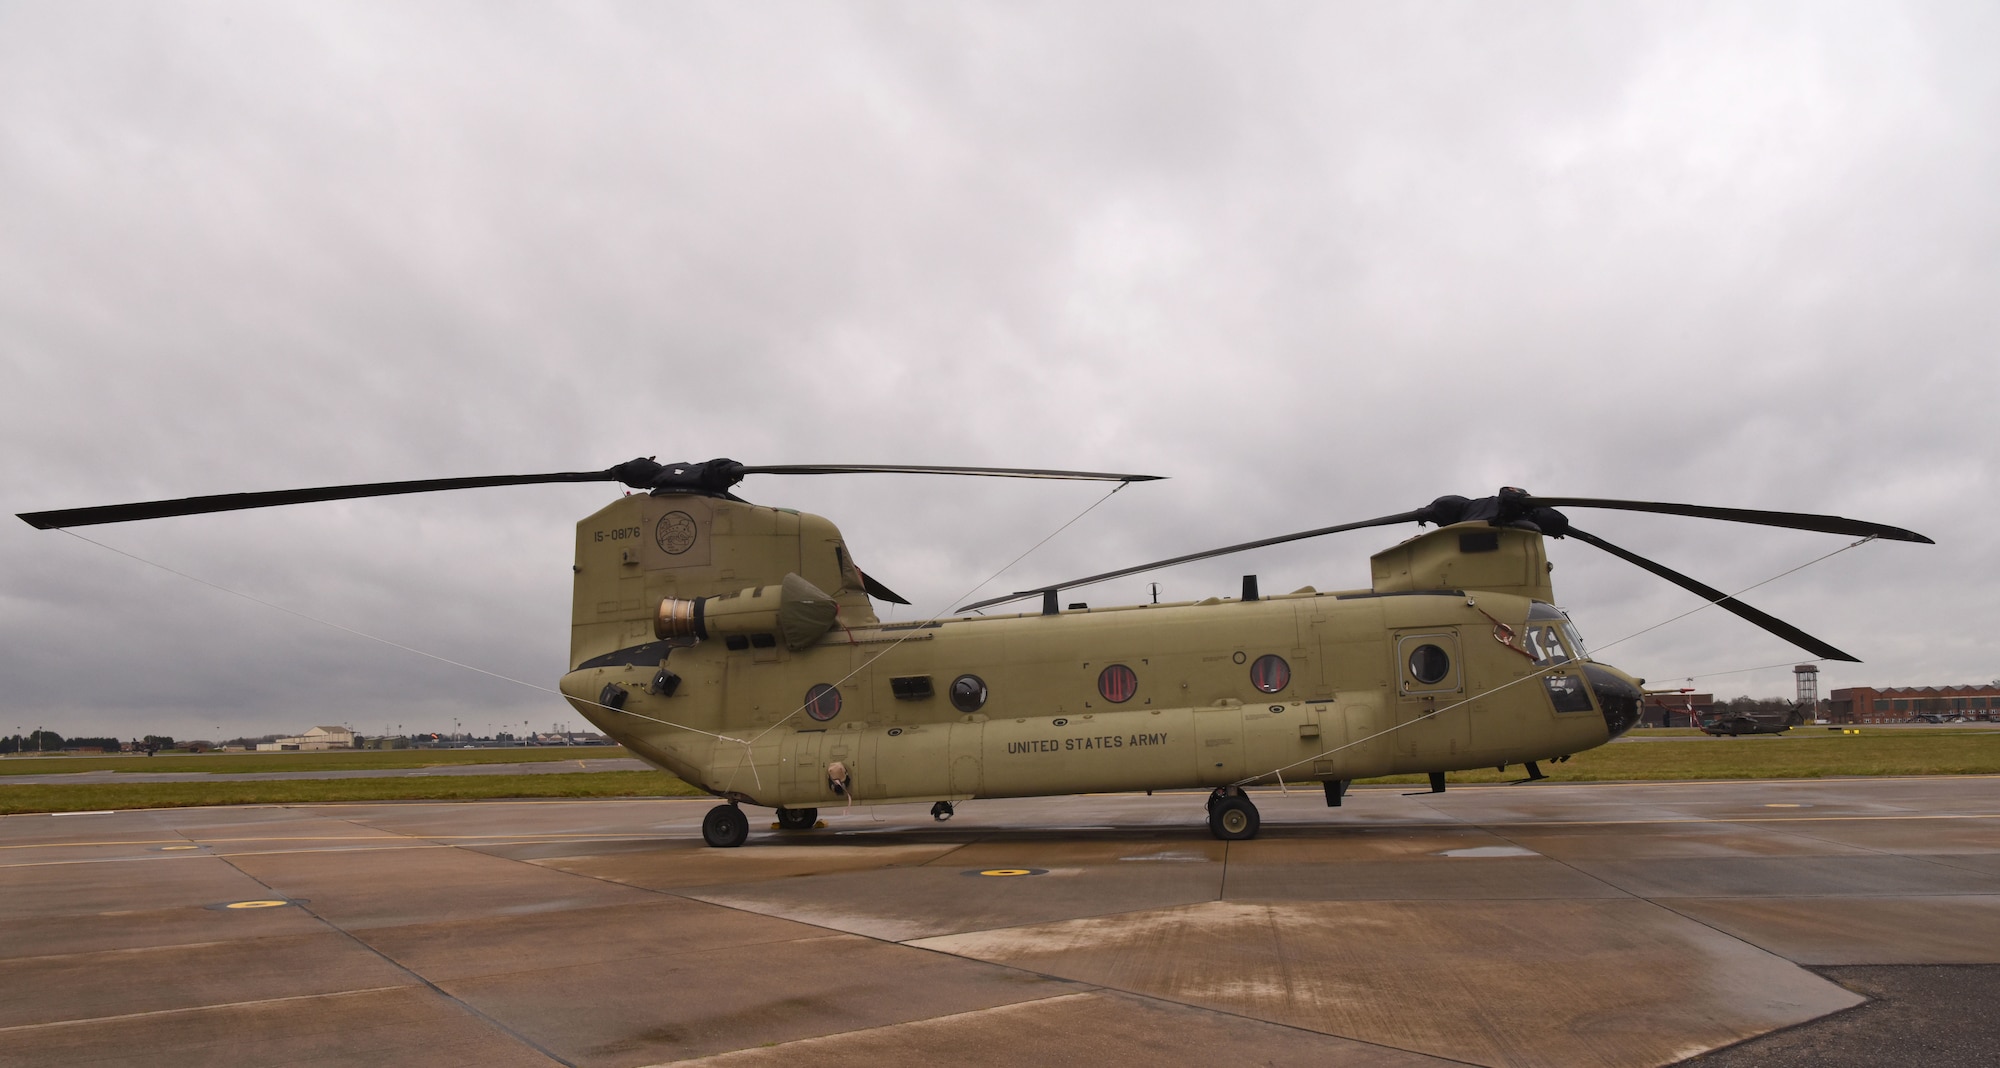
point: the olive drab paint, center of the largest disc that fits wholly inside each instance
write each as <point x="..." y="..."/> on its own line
<point x="1421" y="672"/>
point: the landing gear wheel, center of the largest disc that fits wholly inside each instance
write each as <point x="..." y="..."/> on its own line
<point x="725" y="827"/>
<point x="941" y="811"/>
<point x="797" y="819"/>
<point x="1232" y="819"/>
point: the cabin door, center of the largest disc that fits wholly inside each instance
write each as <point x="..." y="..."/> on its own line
<point x="1433" y="725"/>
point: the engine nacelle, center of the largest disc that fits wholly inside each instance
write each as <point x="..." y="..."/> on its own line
<point x="794" y="610"/>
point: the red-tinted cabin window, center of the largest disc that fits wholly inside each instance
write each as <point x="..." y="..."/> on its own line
<point x="1270" y="673"/>
<point x="823" y="702"/>
<point x="1117" y="684"/>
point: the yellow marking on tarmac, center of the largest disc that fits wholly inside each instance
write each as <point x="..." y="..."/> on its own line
<point x="1782" y="804"/>
<point x="256" y="904"/>
<point x="175" y="849"/>
<point x="1006" y="871"/>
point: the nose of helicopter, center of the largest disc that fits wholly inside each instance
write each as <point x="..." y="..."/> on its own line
<point x="1618" y="696"/>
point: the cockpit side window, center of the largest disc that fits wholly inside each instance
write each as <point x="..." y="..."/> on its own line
<point x="1550" y="637"/>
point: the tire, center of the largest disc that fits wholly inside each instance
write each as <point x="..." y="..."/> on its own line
<point x="725" y="827"/>
<point x="1233" y="819"/>
<point x="797" y="819"/>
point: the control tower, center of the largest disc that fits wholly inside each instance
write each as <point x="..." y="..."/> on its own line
<point x="1808" y="700"/>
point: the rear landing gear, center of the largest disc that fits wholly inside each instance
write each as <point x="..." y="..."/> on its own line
<point x="725" y="826"/>
<point x="797" y="819"/>
<point x="1231" y="816"/>
<point x="941" y="811"/>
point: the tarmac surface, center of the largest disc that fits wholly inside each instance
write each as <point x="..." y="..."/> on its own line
<point x="1823" y="922"/>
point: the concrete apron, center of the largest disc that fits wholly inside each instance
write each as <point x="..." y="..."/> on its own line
<point x="1539" y="925"/>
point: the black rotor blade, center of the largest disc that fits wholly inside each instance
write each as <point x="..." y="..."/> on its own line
<point x="879" y="591"/>
<point x="1721" y="600"/>
<point x="918" y="469"/>
<point x="714" y="476"/>
<point x="230" y="502"/>
<point x="1422" y="514"/>
<point x="1828" y="524"/>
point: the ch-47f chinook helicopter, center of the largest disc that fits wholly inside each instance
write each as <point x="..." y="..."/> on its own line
<point x="735" y="646"/>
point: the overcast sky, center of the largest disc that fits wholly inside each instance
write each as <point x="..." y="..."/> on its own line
<point x="1316" y="262"/>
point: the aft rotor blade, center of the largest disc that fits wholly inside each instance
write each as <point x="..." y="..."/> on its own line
<point x="231" y="502"/>
<point x="879" y="591"/>
<point x="917" y="469"/>
<point x="1829" y="524"/>
<point x="1721" y="600"/>
<point x="1401" y="517"/>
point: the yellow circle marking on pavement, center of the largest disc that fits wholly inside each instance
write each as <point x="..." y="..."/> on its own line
<point x="255" y="904"/>
<point x="1006" y="871"/>
<point x="1781" y="804"/>
<point x="170" y="849"/>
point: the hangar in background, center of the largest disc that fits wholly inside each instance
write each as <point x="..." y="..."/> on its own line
<point x="316" y="738"/>
<point x="1900" y="704"/>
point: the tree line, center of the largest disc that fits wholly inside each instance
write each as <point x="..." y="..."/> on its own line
<point x="48" y="741"/>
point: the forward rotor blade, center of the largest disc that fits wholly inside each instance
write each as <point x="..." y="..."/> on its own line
<point x="1401" y="517"/>
<point x="230" y="502"/>
<point x="918" y="469"/>
<point x="1829" y="524"/>
<point x="1721" y="600"/>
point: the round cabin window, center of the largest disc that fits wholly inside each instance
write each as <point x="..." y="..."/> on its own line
<point x="823" y="702"/>
<point x="1429" y="665"/>
<point x="1270" y="673"/>
<point x="1117" y="684"/>
<point x="968" y="693"/>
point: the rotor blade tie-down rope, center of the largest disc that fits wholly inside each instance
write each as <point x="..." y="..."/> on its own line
<point x="1544" y="674"/>
<point x="371" y="637"/>
<point x="1498" y="628"/>
<point x="1739" y="593"/>
<point x="1748" y="670"/>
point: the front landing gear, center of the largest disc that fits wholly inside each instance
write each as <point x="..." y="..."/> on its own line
<point x="1231" y="816"/>
<point x="725" y="826"/>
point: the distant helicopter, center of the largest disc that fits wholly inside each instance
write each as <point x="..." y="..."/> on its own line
<point x="735" y="645"/>
<point x="1733" y="724"/>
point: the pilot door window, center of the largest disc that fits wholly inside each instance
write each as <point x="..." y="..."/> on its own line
<point x="1429" y="663"/>
<point x="1550" y="637"/>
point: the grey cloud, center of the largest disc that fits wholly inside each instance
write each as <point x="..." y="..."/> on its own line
<point x="1317" y="263"/>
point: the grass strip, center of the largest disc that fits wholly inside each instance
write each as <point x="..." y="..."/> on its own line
<point x="1798" y="755"/>
<point x="122" y="796"/>
<point x="327" y="760"/>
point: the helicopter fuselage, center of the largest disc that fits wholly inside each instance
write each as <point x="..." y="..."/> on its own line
<point x="1299" y="687"/>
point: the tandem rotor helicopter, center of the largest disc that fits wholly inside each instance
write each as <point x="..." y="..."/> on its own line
<point x="735" y="645"/>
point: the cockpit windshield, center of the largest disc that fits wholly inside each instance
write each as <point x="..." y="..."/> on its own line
<point x="1550" y="637"/>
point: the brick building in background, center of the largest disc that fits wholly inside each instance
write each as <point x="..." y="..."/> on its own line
<point x="1900" y="704"/>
